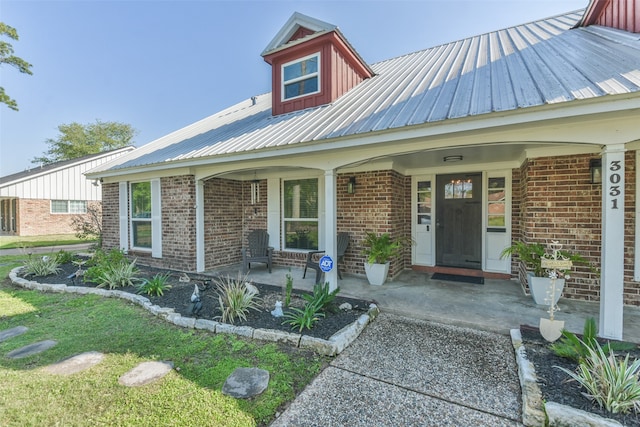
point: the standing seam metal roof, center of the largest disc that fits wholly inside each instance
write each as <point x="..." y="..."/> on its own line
<point x="542" y="62"/>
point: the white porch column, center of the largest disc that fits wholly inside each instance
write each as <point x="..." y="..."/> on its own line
<point x="330" y="229"/>
<point x="612" y="255"/>
<point x="200" y="226"/>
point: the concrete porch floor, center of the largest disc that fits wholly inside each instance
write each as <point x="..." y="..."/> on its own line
<point x="497" y="306"/>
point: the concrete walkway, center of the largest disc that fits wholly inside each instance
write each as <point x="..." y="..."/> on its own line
<point x="407" y="372"/>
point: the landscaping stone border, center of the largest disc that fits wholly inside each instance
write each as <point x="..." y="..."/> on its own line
<point x="331" y="347"/>
<point x="535" y="412"/>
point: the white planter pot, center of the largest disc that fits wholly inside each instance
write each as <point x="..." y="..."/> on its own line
<point x="376" y="273"/>
<point x="539" y="287"/>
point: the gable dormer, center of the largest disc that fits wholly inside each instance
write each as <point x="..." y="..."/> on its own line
<point x="620" y="14"/>
<point x="312" y="64"/>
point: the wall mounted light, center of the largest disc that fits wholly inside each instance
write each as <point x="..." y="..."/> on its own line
<point x="351" y="185"/>
<point x="455" y="158"/>
<point x="595" y="167"/>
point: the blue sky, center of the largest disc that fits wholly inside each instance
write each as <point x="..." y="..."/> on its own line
<point x="161" y="65"/>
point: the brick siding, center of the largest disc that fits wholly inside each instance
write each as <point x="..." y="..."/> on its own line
<point x="553" y="199"/>
<point x="34" y="218"/>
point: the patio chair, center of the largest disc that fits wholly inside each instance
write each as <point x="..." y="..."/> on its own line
<point x="258" y="250"/>
<point x="313" y="257"/>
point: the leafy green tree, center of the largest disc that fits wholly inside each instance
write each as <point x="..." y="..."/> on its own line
<point x="7" y="57"/>
<point x="77" y="140"/>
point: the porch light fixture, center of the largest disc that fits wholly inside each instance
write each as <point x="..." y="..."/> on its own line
<point x="595" y="167"/>
<point x="455" y="158"/>
<point x="351" y="185"/>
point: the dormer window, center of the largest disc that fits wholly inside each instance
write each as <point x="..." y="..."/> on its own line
<point x="301" y="77"/>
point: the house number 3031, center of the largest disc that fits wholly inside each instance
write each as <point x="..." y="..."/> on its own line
<point x="614" y="181"/>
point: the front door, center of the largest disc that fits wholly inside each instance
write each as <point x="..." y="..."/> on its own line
<point x="459" y="220"/>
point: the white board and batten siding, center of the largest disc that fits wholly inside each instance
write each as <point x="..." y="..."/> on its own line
<point x="67" y="182"/>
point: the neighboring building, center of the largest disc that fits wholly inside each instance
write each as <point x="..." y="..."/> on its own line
<point x="43" y="200"/>
<point x="463" y="147"/>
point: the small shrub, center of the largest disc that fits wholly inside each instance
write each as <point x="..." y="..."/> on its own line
<point x="41" y="266"/>
<point x="612" y="383"/>
<point x="288" y="288"/>
<point x="321" y="297"/>
<point x="64" y="257"/>
<point x="303" y="318"/>
<point x="101" y="262"/>
<point x="576" y="349"/>
<point x="235" y="298"/>
<point x="117" y="275"/>
<point x="89" y="225"/>
<point x="155" y="286"/>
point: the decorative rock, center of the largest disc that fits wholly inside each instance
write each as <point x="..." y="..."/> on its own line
<point x="31" y="349"/>
<point x="532" y="411"/>
<point x="566" y="416"/>
<point x="246" y="382"/>
<point x="243" y="331"/>
<point x="13" y="332"/>
<point x="145" y="373"/>
<point x="75" y="363"/>
<point x="318" y="345"/>
<point x="209" y="325"/>
<point x="184" y="278"/>
<point x="345" y="306"/>
<point x="277" y="336"/>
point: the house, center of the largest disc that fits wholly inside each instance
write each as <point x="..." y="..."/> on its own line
<point x="527" y="133"/>
<point x="44" y="200"/>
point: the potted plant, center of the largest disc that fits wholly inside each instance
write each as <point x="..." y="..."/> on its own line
<point x="379" y="249"/>
<point x="538" y="277"/>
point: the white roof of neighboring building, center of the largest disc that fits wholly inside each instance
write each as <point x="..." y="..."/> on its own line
<point x="538" y="63"/>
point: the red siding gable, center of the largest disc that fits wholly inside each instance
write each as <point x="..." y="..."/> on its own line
<point x="302" y="32"/>
<point x="620" y="14"/>
<point x="341" y="69"/>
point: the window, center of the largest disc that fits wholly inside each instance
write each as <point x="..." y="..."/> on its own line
<point x="424" y="202"/>
<point x="68" y="206"/>
<point x="496" y="203"/>
<point x="459" y="189"/>
<point x="300" y="209"/>
<point x="301" y="77"/>
<point x="141" y="214"/>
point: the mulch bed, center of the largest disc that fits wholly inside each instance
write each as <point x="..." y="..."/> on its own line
<point x="556" y="386"/>
<point x="179" y="298"/>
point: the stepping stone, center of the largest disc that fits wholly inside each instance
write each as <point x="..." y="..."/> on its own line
<point x="13" y="332"/>
<point x="76" y="363"/>
<point x="31" y="349"/>
<point x="246" y="382"/>
<point x="145" y="373"/>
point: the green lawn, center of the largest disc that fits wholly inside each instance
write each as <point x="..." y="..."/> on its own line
<point x="189" y="396"/>
<point x="17" y="242"/>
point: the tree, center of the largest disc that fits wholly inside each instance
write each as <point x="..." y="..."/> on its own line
<point x="77" y="140"/>
<point x="7" y="57"/>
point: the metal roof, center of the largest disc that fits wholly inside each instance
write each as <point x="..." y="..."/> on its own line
<point x="538" y="63"/>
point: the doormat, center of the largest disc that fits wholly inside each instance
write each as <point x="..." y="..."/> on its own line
<point x="457" y="278"/>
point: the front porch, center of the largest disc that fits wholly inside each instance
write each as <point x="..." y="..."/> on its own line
<point x="498" y="305"/>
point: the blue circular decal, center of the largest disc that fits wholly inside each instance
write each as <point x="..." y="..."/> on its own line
<point x="326" y="263"/>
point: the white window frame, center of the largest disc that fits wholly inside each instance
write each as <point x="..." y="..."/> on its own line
<point x="133" y="220"/>
<point x="283" y="220"/>
<point x="68" y="204"/>
<point x="155" y="219"/>
<point x="284" y="82"/>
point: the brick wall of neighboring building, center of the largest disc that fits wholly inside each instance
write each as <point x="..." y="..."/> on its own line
<point x="556" y="201"/>
<point x="34" y="218"/>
